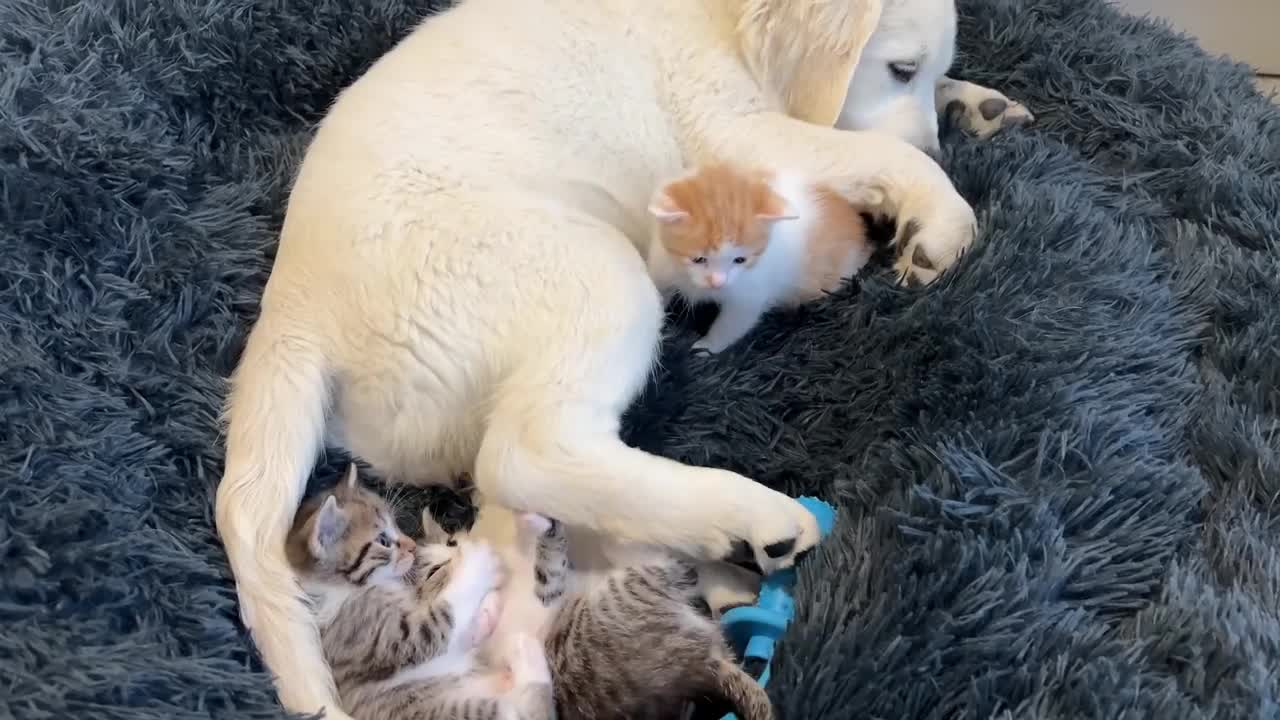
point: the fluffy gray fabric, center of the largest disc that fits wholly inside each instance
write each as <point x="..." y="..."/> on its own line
<point x="1057" y="468"/>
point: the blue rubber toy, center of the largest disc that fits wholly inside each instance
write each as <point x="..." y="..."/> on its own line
<point x="753" y="630"/>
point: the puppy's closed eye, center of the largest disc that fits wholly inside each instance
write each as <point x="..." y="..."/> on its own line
<point x="904" y="71"/>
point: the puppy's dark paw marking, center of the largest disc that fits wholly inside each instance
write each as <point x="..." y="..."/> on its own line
<point x="755" y="667"/>
<point x="743" y="556"/>
<point x="992" y="107"/>
<point x="780" y="548"/>
<point x="909" y="231"/>
<point x="919" y="259"/>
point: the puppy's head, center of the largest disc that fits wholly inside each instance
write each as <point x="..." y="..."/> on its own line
<point x="893" y="84"/>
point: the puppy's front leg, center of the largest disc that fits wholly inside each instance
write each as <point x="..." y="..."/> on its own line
<point x="977" y="109"/>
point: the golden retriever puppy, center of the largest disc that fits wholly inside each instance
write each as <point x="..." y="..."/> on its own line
<point x="458" y="285"/>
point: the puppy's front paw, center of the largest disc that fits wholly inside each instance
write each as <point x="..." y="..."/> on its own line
<point x="769" y="530"/>
<point x="930" y="243"/>
<point x="980" y="110"/>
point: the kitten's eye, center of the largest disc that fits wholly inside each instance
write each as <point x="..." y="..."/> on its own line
<point x="903" y="72"/>
<point x="699" y="261"/>
<point x="739" y="260"/>
<point x="384" y="539"/>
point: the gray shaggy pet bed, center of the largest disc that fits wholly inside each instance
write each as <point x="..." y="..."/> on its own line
<point x="1057" y="469"/>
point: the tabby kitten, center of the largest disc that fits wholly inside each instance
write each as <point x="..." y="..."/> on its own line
<point x="402" y="624"/>
<point x="635" y="646"/>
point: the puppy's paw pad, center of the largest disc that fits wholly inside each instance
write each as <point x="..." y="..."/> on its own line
<point x="995" y="114"/>
<point x="769" y="551"/>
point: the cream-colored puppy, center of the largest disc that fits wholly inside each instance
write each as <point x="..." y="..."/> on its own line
<point x="457" y="285"/>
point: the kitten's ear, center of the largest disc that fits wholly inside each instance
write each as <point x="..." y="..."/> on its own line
<point x="665" y="209"/>
<point x="784" y="213"/>
<point x="327" y="527"/>
<point x="348" y="485"/>
<point x="773" y="208"/>
<point x="432" y="533"/>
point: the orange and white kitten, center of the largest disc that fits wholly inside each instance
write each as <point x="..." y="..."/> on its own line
<point x="751" y="240"/>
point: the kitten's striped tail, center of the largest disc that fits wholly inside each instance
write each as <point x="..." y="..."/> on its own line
<point x="737" y="688"/>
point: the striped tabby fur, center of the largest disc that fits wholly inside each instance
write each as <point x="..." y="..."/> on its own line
<point x="401" y="623"/>
<point x="639" y="645"/>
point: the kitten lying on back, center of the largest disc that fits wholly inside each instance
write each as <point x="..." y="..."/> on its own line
<point x="403" y="626"/>
<point x="751" y="240"/>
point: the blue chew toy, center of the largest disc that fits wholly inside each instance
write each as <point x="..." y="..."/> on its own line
<point x="753" y="630"/>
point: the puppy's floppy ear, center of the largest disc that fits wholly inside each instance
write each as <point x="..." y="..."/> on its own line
<point x="805" y="52"/>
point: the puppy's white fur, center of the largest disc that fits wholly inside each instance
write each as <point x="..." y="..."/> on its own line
<point x="457" y="285"/>
<point x="916" y="34"/>
<point x="920" y="34"/>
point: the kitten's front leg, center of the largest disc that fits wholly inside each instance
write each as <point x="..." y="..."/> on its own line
<point x="736" y="318"/>
<point x="550" y="556"/>
<point x="473" y="596"/>
<point x="531" y="676"/>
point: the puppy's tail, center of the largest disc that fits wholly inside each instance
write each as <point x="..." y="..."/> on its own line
<point x="739" y="691"/>
<point x="275" y="425"/>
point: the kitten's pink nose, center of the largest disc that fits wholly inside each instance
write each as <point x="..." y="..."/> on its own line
<point x="716" y="280"/>
<point x="407" y="544"/>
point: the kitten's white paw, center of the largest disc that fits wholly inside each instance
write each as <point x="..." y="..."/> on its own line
<point x="482" y="570"/>
<point x="528" y="661"/>
<point x="706" y="346"/>
<point x="725" y="586"/>
<point x="487" y="617"/>
<point x="533" y="523"/>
